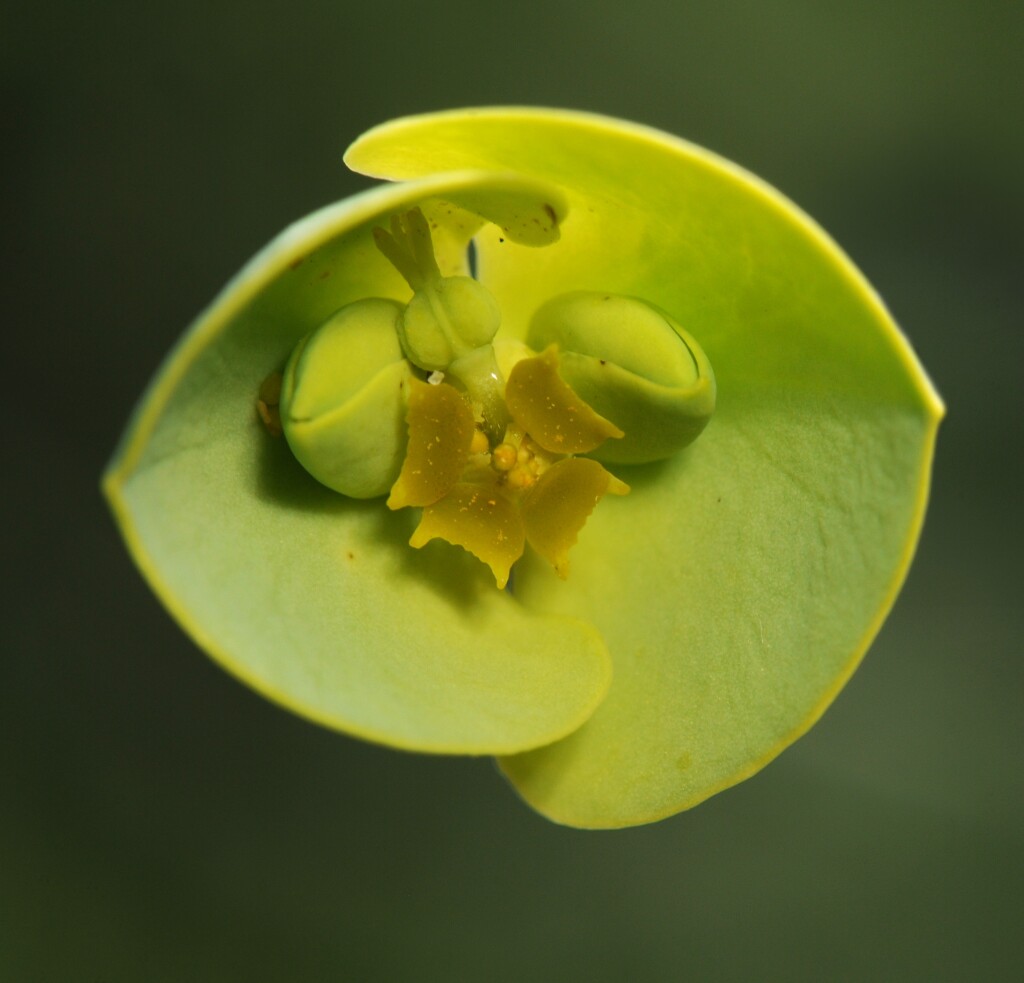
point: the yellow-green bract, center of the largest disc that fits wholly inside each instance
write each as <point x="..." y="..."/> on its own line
<point x="710" y="616"/>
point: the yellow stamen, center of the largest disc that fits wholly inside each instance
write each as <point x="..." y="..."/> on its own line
<point x="520" y="479"/>
<point x="504" y="457"/>
<point x="478" y="445"/>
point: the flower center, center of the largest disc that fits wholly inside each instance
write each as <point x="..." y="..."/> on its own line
<point x="519" y="460"/>
<point x="424" y="403"/>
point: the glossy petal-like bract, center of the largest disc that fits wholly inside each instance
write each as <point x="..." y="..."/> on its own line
<point x="734" y="590"/>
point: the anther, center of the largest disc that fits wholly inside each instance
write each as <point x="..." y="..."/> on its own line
<point x="504" y="457"/>
<point x="520" y="479"/>
<point x="479" y="444"/>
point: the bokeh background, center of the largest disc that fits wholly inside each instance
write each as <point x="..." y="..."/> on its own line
<point x="159" y="822"/>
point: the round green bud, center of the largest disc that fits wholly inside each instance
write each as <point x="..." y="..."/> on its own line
<point x="343" y="399"/>
<point x="447" y="318"/>
<point x="635" y="366"/>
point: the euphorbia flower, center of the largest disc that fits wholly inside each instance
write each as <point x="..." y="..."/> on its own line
<point x="492" y="500"/>
<point x="709" y="616"/>
<point x="489" y="459"/>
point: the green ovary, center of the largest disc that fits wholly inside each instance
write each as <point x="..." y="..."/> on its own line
<point x="634" y="365"/>
<point x="342" y="400"/>
<point x="415" y="402"/>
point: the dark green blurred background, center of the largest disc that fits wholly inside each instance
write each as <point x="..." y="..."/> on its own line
<point x="159" y="822"/>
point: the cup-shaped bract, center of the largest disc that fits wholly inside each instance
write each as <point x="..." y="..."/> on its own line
<point x="710" y="615"/>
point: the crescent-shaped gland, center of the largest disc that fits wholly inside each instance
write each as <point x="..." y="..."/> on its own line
<point x="556" y="508"/>
<point x="480" y="519"/>
<point x="550" y="412"/>
<point x="440" y="434"/>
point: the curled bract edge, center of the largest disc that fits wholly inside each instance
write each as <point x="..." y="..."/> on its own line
<point x="710" y="616"/>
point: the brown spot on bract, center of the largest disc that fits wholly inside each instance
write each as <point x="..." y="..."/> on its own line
<point x="269" y="417"/>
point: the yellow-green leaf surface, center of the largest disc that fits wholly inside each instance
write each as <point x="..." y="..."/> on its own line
<point x="739" y="584"/>
<point x="314" y="599"/>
